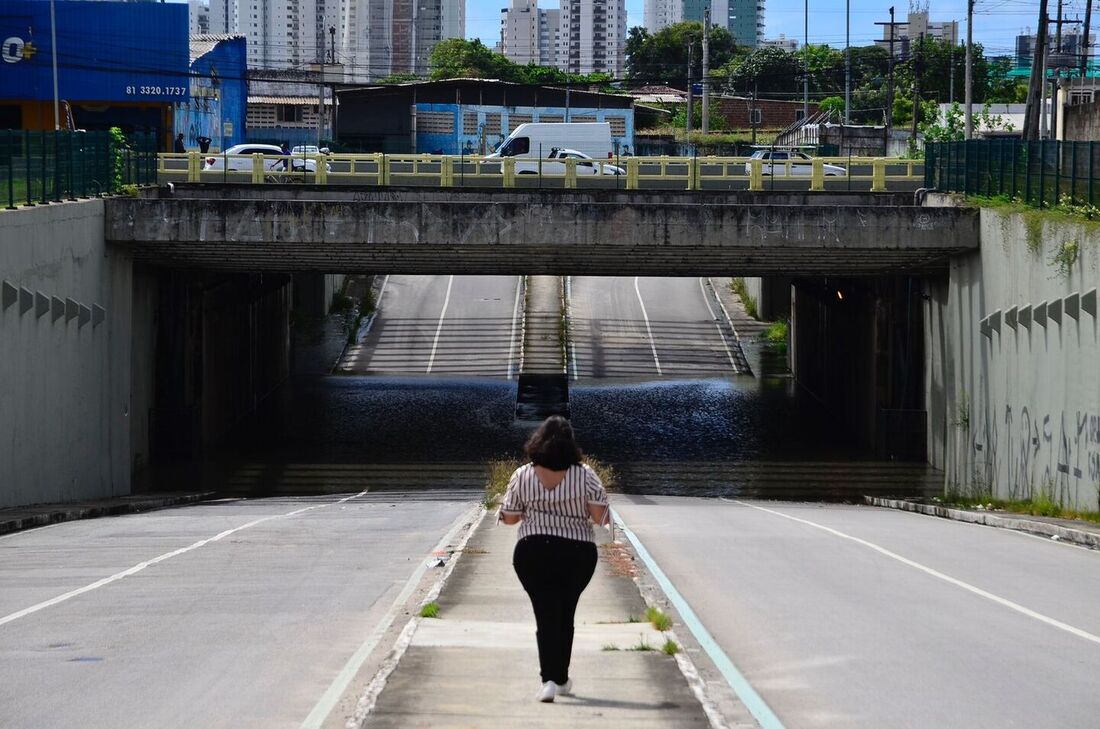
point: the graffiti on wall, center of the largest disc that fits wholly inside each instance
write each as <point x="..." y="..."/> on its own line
<point x="1032" y="453"/>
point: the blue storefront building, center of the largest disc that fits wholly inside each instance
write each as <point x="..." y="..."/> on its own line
<point x="118" y="64"/>
<point x="218" y="102"/>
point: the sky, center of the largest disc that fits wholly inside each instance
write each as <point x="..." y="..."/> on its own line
<point x="996" y="22"/>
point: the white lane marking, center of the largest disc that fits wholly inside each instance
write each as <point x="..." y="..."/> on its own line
<point x="724" y="309"/>
<point x="439" y="328"/>
<point x="652" y="344"/>
<point x="569" y="324"/>
<point x="162" y="558"/>
<point x="339" y="685"/>
<point x="736" y="680"/>
<point x="512" y="336"/>
<point x="22" y="532"/>
<point x="934" y="573"/>
<point x="717" y="326"/>
<point x="377" y="306"/>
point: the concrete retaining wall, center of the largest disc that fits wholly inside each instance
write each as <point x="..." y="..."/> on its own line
<point x="1014" y="390"/>
<point x="65" y="357"/>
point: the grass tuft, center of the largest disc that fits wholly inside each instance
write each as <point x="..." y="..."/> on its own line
<point x="430" y="610"/>
<point x="610" y="647"/>
<point x="1041" y="503"/>
<point x="738" y="286"/>
<point x="641" y="646"/>
<point x="670" y="648"/>
<point x="658" y="618"/>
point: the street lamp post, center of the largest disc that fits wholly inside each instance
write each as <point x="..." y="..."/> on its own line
<point x="806" y="62"/>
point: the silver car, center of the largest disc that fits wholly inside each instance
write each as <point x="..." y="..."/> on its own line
<point x="801" y="164"/>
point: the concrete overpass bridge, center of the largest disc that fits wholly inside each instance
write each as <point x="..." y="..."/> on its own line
<point x="592" y="232"/>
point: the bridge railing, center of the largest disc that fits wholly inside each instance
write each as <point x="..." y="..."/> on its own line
<point x="876" y="174"/>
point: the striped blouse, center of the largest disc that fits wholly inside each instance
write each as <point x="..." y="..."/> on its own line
<point x="561" y="511"/>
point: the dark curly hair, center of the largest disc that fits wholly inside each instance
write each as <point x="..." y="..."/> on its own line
<point x="553" y="446"/>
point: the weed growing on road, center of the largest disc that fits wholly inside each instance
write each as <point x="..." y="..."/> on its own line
<point x="1040" y="504"/>
<point x="658" y="618"/>
<point x="641" y="646"/>
<point x="430" y="610"/>
<point x="670" y="648"/>
<point x="499" y="473"/>
<point x="776" y="334"/>
<point x="610" y="647"/>
<point x="633" y="619"/>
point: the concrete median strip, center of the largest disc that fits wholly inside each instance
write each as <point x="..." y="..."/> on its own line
<point x="1003" y="520"/>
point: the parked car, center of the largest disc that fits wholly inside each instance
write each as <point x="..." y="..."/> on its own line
<point x="775" y="163"/>
<point x="553" y="165"/>
<point x="275" y="160"/>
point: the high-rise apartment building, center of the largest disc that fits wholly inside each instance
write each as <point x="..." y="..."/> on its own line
<point x="593" y="36"/>
<point x="743" y="18"/>
<point x="906" y="35"/>
<point x="198" y="13"/>
<point x="529" y="34"/>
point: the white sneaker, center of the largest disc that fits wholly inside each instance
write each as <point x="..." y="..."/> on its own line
<point x="547" y="693"/>
<point x="565" y="689"/>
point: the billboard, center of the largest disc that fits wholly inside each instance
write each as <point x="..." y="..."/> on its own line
<point x="106" y="51"/>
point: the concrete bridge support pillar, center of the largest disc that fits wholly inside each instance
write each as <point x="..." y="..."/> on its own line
<point x="313" y="292"/>
<point x="772" y="295"/>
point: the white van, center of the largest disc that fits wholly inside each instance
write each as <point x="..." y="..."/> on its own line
<point x="551" y="141"/>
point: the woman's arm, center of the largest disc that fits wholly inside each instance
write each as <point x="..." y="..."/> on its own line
<point x="511" y="519"/>
<point x="600" y="513"/>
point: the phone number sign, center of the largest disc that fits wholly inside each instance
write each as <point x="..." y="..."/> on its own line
<point x="158" y="91"/>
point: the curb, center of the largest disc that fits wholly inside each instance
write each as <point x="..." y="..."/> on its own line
<point x="1021" y="524"/>
<point x="77" y="512"/>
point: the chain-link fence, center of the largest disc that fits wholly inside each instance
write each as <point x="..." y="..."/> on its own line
<point x="39" y="167"/>
<point x="1038" y="173"/>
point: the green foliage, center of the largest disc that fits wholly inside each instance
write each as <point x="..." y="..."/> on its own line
<point x="765" y="71"/>
<point x="1041" y="503"/>
<point x="119" y="148"/>
<point x="718" y="122"/>
<point x="833" y="104"/>
<point x="663" y="56"/>
<point x="458" y="58"/>
<point x="1064" y="257"/>
<point x="658" y="618"/>
<point x="670" y="648"/>
<point x="737" y="285"/>
<point x="430" y="610"/>
<point x="397" y="78"/>
<point x="776" y="333"/>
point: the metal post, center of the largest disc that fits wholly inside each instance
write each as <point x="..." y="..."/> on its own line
<point x="42" y="152"/>
<point x="690" y="97"/>
<point x="11" y="171"/>
<point x="706" y="71"/>
<point x="968" y="88"/>
<point x="53" y="50"/>
<point x="848" y="62"/>
<point x="806" y="61"/>
<point x="1073" y="175"/>
<point x="1090" y="169"/>
<point x="918" y="68"/>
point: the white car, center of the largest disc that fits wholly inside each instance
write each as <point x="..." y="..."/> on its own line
<point x="274" y="159"/>
<point x="552" y="166"/>
<point x="775" y="163"/>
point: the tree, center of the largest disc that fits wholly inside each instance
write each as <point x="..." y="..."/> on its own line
<point x="833" y="104"/>
<point x="662" y="56"/>
<point x="458" y="58"/>
<point x="767" y="71"/>
<point x="826" y="68"/>
<point x="1004" y="89"/>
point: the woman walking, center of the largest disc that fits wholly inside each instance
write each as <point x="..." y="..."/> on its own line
<point x="555" y="498"/>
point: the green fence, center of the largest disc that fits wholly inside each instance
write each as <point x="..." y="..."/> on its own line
<point x="1038" y="173"/>
<point x="39" y="167"/>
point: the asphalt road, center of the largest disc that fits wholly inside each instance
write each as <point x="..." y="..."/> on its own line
<point x="246" y="631"/>
<point x="648" y="328"/>
<point x="447" y="326"/>
<point x="980" y="629"/>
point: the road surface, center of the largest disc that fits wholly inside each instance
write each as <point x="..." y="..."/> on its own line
<point x="648" y="328"/>
<point x="953" y="625"/>
<point x="447" y="326"/>
<point x="246" y="631"/>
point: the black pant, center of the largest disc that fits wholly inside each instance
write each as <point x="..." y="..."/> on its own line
<point x="554" y="571"/>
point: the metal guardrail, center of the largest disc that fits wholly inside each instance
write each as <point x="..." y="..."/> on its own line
<point x="631" y="173"/>
<point x="39" y="167"/>
<point x="1039" y="173"/>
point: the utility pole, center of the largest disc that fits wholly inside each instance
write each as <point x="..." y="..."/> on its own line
<point x="918" y="70"/>
<point x="889" y="111"/>
<point x="321" y="95"/>
<point x="951" y="78"/>
<point x="706" y="71"/>
<point x="847" y="61"/>
<point x="53" y="49"/>
<point x="806" y="64"/>
<point x="968" y="83"/>
<point x="691" y="96"/>
<point x="1038" y="77"/>
<point x="1085" y="50"/>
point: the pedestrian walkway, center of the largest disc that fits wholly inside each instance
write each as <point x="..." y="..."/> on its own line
<point x="543" y="345"/>
<point x="477" y="664"/>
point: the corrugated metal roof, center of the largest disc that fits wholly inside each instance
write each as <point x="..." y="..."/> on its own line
<point x="200" y="45"/>
<point x="292" y="100"/>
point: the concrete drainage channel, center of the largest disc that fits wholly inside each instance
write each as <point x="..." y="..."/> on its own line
<point x="543" y="386"/>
